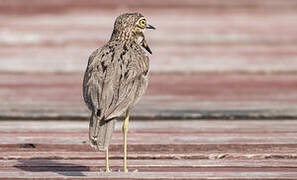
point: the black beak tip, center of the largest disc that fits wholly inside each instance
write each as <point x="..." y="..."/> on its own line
<point x="151" y="27"/>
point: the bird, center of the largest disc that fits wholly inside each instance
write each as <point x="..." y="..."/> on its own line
<point x="115" y="79"/>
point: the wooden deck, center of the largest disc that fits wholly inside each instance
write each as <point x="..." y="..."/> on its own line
<point x="184" y="149"/>
<point x="221" y="103"/>
<point x="251" y="143"/>
<point x="169" y="96"/>
<point x="192" y="36"/>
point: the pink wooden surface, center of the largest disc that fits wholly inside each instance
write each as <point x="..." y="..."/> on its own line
<point x="194" y="149"/>
<point x="211" y="60"/>
<point x="192" y="36"/>
<point x="57" y="96"/>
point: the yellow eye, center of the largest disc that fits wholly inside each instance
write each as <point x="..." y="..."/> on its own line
<point x="142" y="23"/>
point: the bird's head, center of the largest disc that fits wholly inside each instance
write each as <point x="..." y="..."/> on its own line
<point x="131" y="27"/>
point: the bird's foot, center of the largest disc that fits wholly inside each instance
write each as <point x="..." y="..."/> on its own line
<point x="126" y="170"/>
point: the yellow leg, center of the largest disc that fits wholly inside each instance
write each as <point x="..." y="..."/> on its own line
<point x="106" y="161"/>
<point x="125" y="131"/>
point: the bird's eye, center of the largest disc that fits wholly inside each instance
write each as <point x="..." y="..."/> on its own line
<point x="142" y="23"/>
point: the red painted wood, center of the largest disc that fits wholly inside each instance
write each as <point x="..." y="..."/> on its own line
<point x="193" y="36"/>
<point x="67" y="153"/>
<point x="184" y="96"/>
<point x="212" y="59"/>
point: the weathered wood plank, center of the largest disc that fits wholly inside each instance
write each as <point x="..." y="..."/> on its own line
<point x="65" y="127"/>
<point x="150" y="165"/>
<point x="196" y="96"/>
<point x="193" y="36"/>
<point x="153" y="163"/>
<point x="55" y="158"/>
<point x="14" y="6"/>
<point x="149" y="175"/>
<point x="154" y="138"/>
<point x="228" y="152"/>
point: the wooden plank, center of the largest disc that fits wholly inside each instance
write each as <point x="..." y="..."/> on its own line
<point x="58" y="6"/>
<point x="229" y="152"/>
<point x="196" y="36"/>
<point x="264" y="163"/>
<point x="217" y="96"/>
<point x="64" y="127"/>
<point x="150" y="165"/>
<point x="55" y="158"/>
<point x="164" y="140"/>
<point x="149" y="175"/>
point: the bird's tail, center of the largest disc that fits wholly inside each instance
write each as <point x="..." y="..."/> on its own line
<point x="100" y="132"/>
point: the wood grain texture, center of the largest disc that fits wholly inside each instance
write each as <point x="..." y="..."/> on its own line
<point x="194" y="149"/>
<point x="194" y="36"/>
<point x="212" y="60"/>
<point x="178" y="96"/>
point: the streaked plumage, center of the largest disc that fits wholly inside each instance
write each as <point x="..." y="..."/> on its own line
<point x="116" y="77"/>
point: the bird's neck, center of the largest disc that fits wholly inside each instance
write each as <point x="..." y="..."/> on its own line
<point x="127" y="36"/>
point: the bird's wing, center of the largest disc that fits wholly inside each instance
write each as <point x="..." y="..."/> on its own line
<point x="133" y="65"/>
<point x="112" y="80"/>
<point x="98" y="94"/>
<point x="96" y="80"/>
<point x="111" y="85"/>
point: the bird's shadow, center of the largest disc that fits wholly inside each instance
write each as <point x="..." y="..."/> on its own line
<point x="47" y="165"/>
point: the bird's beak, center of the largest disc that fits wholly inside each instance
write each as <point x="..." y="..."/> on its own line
<point x="150" y="27"/>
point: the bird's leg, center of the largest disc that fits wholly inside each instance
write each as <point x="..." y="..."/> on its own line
<point x="125" y="131"/>
<point x="107" y="161"/>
